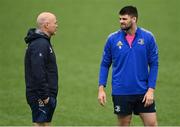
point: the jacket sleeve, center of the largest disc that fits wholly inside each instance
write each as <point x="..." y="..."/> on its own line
<point x="105" y="63"/>
<point x="153" y="63"/>
<point x="39" y="54"/>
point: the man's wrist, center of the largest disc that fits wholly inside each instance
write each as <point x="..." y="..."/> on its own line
<point x="46" y="100"/>
<point x="151" y="90"/>
<point x="101" y="87"/>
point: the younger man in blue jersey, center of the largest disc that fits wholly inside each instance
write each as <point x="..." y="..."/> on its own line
<point x="133" y="53"/>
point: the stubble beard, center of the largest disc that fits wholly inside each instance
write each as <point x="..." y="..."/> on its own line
<point x="127" y="28"/>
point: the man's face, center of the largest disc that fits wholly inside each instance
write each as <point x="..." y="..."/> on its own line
<point x="52" y="25"/>
<point x="126" y="22"/>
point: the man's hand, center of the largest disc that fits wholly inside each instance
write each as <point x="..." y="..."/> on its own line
<point x="101" y="95"/>
<point x="46" y="100"/>
<point x="148" y="97"/>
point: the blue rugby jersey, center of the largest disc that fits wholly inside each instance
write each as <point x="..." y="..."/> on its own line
<point x="134" y="69"/>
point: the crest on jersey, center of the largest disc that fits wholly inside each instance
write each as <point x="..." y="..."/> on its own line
<point x="141" y="41"/>
<point x="119" y="44"/>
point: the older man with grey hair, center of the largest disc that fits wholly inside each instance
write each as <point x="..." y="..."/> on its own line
<point x="41" y="73"/>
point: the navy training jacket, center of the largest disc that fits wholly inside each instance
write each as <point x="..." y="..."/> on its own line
<point x="41" y="73"/>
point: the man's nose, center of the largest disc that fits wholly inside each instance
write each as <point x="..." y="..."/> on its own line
<point x="121" y="21"/>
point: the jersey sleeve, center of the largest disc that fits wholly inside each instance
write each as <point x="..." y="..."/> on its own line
<point x="105" y="63"/>
<point x="153" y="63"/>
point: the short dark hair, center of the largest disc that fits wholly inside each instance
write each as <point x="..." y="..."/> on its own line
<point x="129" y="10"/>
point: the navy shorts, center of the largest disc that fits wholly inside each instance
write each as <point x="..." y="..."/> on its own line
<point x="128" y="104"/>
<point x="42" y="112"/>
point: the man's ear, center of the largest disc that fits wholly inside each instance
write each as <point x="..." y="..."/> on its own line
<point x="46" y="25"/>
<point x="134" y="19"/>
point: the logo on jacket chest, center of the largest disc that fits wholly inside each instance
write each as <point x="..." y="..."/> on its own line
<point x="51" y="51"/>
<point x="141" y="41"/>
<point x="119" y="44"/>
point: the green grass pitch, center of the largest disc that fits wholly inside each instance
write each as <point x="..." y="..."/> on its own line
<point x="83" y="28"/>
